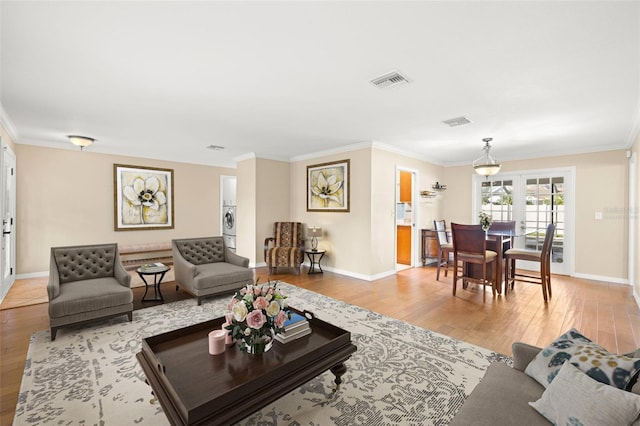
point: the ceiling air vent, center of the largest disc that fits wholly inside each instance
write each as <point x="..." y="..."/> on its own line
<point x="458" y="121"/>
<point x="394" y="78"/>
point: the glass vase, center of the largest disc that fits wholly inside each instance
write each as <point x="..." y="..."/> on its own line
<point x="259" y="345"/>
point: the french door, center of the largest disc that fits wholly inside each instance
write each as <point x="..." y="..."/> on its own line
<point x="7" y="213"/>
<point x="534" y="200"/>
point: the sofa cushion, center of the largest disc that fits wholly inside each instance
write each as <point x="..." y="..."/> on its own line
<point x="202" y="250"/>
<point x="501" y="398"/>
<point x="89" y="295"/>
<point x="211" y="275"/>
<point x="573" y="398"/>
<point x="591" y="358"/>
<point x="84" y="263"/>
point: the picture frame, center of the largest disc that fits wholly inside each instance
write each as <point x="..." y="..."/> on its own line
<point x="143" y="198"/>
<point x="328" y="187"/>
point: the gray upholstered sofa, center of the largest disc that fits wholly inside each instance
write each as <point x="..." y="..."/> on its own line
<point x="85" y="283"/>
<point x="503" y="395"/>
<point x="206" y="267"/>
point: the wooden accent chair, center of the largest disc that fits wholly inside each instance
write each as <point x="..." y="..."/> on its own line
<point x="503" y="226"/>
<point x="542" y="256"/>
<point x="445" y="247"/>
<point x="470" y="247"/>
<point x="86" y="283"/>
<point x="285" y="248"/>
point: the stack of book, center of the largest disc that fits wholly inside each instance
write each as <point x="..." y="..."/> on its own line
<point x="153" y="267"/>
<point x="295" y="327"/>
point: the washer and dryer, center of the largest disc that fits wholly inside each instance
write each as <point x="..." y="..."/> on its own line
<point x="229" y="226"/>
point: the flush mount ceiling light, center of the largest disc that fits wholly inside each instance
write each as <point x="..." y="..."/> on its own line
<point x="81" y="141"/>
<point x="486" y="165"/>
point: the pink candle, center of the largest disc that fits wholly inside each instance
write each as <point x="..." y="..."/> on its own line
<point x="216" y="342"/>
<point x="228" y="340"/>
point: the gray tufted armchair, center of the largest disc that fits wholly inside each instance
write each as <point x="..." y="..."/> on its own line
<point x="206" y="267"/>
<point x="85" y="283"/>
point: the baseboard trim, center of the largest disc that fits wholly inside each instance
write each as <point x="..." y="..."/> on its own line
<point x="32" y="275"/>
<point x="602" y="278"/>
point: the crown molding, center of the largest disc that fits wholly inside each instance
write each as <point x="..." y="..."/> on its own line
<point x="634" y="133"/>
<point x="6" y="122"/>
<point x="340" y="150"/>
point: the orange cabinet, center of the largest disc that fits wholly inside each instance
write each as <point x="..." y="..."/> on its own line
<point x="404" y="244"/>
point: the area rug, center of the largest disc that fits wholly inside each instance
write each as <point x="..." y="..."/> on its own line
<point x="400" y="374"/>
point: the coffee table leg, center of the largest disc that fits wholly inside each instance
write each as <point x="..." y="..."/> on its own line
<point x="338" y="371"/>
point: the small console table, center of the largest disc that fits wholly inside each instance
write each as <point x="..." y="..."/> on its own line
<point x="315" y="257"/>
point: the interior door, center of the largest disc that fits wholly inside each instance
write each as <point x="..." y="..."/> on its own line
<point x="534" y="200"/>
<point x="7" y="210"/>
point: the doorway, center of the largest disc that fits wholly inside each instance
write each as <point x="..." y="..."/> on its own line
<point x="8" y="213"/>
<point x="405" y="218"/>
<point x="534" y="199"/>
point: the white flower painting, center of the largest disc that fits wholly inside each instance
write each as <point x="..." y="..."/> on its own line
<point x="143" y="198"/>
<point x="328" y="187"/>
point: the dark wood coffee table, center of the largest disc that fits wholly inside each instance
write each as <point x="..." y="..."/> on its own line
<point x="195" y="388"/>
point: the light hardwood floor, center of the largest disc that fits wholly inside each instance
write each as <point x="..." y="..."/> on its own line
<point x="606" y="313"/>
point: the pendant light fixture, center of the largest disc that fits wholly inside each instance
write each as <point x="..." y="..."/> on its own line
<point x="486" y="165"/>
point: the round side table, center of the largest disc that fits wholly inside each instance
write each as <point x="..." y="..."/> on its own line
<point x="158" y="273"/>
<point x="315" y="257"/>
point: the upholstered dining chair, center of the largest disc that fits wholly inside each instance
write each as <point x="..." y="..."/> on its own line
<point x="470" y="247"/>
<point x="285" y="248"/>
<point x="445" y="247"/>
<point x="86" y="283"/>
<point x="543" y="257"/>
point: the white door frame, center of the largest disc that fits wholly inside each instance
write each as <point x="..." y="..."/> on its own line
<point x="7" y="217"/>
<point x="415" y="248"/>
<point x="633" y="179"/>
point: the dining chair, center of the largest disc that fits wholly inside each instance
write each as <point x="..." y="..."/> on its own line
<point x="470" y="247"/>
<point x="445" y="247"/>
<point x="504" y="227"/>
<point x="542" y="256"/>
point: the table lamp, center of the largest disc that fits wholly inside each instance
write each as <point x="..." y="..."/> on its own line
<point x="315" y="232"/>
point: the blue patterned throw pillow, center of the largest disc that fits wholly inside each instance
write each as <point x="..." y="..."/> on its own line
<point x="589" y="357"/>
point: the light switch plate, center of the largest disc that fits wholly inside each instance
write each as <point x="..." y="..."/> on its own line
<point x="598" y="215"/>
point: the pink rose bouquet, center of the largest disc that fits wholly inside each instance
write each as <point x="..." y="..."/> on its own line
<point x="259" y="313"/>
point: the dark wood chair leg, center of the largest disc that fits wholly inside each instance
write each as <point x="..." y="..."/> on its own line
<point x="130" y="316"/>
<point x="455" y="278"/>
<point x="54" y="331"/>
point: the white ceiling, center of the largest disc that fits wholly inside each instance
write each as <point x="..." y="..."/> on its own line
<point x="287" y="80"/>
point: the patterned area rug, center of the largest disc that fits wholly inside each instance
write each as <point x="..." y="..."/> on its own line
<point x="400" y="374"/>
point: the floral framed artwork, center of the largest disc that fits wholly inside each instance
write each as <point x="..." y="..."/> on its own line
<point x="328" y="187"/>
<point x="143" y="198"/>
